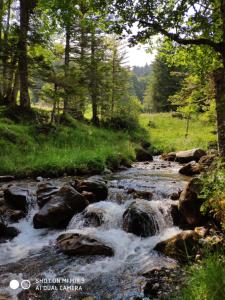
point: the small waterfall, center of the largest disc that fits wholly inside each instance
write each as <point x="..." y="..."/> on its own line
<point x="115" y="276"/>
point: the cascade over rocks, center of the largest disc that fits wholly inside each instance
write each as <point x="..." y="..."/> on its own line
<point x="190" y="169"/>
<point x="182" y="247"/>
<point x="139" y="219"/>
<point x="94" y="185"/>
<point x="93" y="218"/>
<point x="147" y="195"/>
<point x="16" y="197"/>
<point x="78" y="244"/>
<point x="59" y="210"/>
<point x="45" y="191"/>
<point x="190" y="203"/>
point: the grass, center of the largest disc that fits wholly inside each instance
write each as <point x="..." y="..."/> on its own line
<point x="167" y="134"/>
<point x="30" y="150"/>
<point x="206" y="281"/>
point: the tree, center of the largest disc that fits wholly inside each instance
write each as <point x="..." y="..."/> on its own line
<point x="186" y="22"/>
<point x="164" y="82"/>
<point x="26" y="7"/>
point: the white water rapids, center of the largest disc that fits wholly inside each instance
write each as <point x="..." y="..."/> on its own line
<point x="32" y="253"/>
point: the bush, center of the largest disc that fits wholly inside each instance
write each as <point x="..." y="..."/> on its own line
<point x="122" y="123"/>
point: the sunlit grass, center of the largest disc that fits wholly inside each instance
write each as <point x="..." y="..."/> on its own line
<point x="206" y="281"/>
<point x="168" y="134"/>
<point x="25" y="151"/>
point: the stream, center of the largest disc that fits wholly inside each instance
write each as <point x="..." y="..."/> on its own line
<point x="32" y="255"/>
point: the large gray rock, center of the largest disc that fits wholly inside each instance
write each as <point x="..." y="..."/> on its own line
<point x="190" y="203"/>
<point x="77" y="244"/>
<point x="59" y="210"/>
<point x="94" y="185"/>
<point x="182" y="247"/>
<point x="16" y="197"/>
<point x="140" y="219"/>
<point x="189" y="155"/>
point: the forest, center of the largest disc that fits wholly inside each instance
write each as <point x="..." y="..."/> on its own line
<point x="112" y="174"/>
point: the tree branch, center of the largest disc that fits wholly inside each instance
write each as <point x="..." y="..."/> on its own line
<point x="218" y="47"/>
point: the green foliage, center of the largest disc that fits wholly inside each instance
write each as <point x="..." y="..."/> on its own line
<point x="139" y="79"/>
<point x="168" y="133"/>
<point x="205" y="281"/>
<point x="162" y="84"/>
<point x="123" y="123"/>
<point x="213" y="192"/>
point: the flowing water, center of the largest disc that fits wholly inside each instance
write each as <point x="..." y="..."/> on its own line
<point x="32" y="255"/>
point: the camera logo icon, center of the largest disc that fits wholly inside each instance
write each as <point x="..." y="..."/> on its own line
<point x="25" y="284"/>
<point x="15" y="284"/>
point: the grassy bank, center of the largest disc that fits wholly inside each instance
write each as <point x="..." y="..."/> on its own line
<point x="206" y="281"/>
<point x="168" y="133"/>
<point x="79" y="148"/>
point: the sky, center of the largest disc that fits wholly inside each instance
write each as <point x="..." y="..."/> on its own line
<point x="137" y="56"/>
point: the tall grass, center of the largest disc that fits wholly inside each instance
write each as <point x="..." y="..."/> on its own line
<point x="168" y="134"/>
<point x="206" y="281"/>
<point x="25" y="150"/>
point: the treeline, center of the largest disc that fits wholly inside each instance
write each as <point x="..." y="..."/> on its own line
<point x="182" y="80"/>
<point x="60" y="53"/>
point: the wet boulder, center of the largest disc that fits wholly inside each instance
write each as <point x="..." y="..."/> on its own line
<point x="175" y="214"/>
<point x="206" y="160"/>
<point x="74" y="244"/>
<point x="147" y="195"/>
<point x="182" y="247"/>
<point x="6" y="178"/>
<point x="145" y="144"/>
<point x="16" y="215"/>
<point x="7" y="233"/>
<point x="169" y="156"/>
<point x="139" y="219"/>
<point x="143" y="155"/>
<point x="16" y="197"/>
<point x="189" y="155"/>
<point x="190" y="203"/>
<point x="45" y="191"/>
<point x="93" y="218"/>
<point x="95" y="185"/>
<point x="190" y="169"/>
<point x="175" y="195"/>
<point x="59" y="210"/>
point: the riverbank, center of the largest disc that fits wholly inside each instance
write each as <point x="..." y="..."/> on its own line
<point x="78" y="148"/>
<point x="72" y="149"/>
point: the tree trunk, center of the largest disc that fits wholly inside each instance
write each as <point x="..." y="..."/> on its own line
<point x="5" y="54"/>
<point x="67" y="65"/>
<point x="54" y="105"/>
<point x="219" y="79"/>
<point x="93" y="85"/>
<point x="22" y="47"/>
<point x="15" y="90"/>
<point x="1" y="17"/>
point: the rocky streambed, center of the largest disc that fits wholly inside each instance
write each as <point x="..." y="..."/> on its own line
<point x="93" y="238"/>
